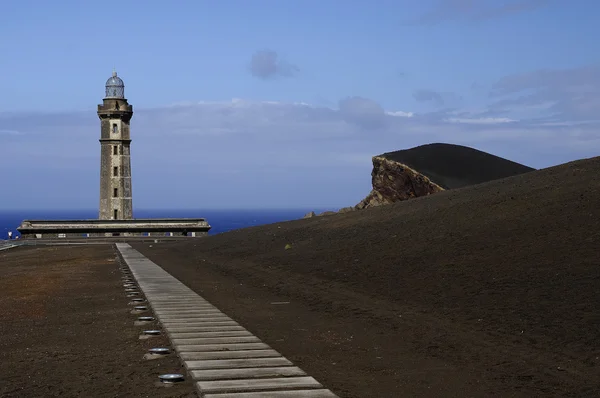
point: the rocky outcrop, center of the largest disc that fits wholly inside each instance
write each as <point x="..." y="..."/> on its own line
<point x="430" y="168"/>
<point x="394" y="181"/>
<point x="310" y="214"/>
<point x="328" y="213"/>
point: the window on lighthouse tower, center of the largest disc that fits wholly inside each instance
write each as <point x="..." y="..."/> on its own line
<point x="114" y="128"/>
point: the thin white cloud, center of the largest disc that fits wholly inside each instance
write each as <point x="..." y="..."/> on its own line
<point x="481" y="120"/>
<point x="400" y="113"/>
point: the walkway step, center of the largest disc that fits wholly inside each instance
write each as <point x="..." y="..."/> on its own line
<point x="246" y="373"/>
<point x="277" y="394"/>
<point x="178" y="311"/>
<point x="197" y="355"/>
<point x="223" y="347"/>
<point x="244" y="385"/>
<point x="224" y="358"/>
<point x="178" y="324"/>
<point x="191" y="317"/>
<point x="219" y="333"/>
<point x="215" y="340"/>
<point x="238" y="363"/>
<point x="197" y="329"/>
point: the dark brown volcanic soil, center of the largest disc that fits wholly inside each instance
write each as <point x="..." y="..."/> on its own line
<point x="490" y="290"/>
<point x="66" y="330"/>
<point x="456" y="166"/>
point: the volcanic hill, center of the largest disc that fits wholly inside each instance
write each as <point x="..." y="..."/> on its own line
<point x="432" y="168"/>
<point x="488" y="290"/>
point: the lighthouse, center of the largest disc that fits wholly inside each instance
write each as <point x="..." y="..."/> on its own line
<point x="115" y="152"/>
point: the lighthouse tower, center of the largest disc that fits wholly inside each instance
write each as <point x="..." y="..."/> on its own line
<point x="115" y="164"/>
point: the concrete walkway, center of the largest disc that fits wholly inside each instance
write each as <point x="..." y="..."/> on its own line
<point x="224" y="359"/>
<point x="5" y="245"/>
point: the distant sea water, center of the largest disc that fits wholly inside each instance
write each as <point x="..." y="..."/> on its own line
<point x="219" y="220"/>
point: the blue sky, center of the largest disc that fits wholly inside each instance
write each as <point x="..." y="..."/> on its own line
<point x="246" y="104"/>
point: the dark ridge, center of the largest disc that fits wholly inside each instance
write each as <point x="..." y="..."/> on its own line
<point x="456" y="166"/>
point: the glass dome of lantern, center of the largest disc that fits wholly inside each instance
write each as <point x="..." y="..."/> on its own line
<point x="115" y="88"/>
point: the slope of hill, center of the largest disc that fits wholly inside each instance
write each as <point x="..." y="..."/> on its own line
<point x="489" y="290"/>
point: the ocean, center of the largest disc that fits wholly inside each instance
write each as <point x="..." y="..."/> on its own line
<point x="219" y="220"/>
